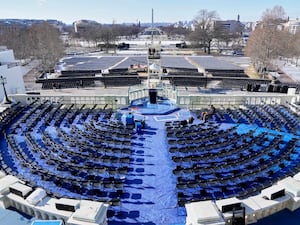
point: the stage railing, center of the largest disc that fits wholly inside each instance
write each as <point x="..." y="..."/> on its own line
<point x="111" y="101"/>
<point x="203" y="101"/>
<point x="195" y="101"/>
<point x="137" y="92"/>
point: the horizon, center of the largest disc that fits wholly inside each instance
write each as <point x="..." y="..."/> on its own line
<point x="134" y="11"/>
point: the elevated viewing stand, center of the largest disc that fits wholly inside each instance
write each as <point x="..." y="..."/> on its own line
<point x="153" y="97"/>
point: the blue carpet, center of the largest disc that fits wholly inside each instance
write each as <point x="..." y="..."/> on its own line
<point x="12" y="217"/>
<point x="150" y="194"/>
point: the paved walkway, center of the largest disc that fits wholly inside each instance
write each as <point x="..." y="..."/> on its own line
<point x="30" y="73"/>
<point x="291" y="72"/>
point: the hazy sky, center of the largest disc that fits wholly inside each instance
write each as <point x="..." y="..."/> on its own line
<point x="119" y="11"/>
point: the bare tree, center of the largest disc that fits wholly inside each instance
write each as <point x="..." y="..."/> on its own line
<point x="263" y="47"/>
<point x="288" y="46"/>
<point x="103" y="36"/>
<point x="46" y="44"/>
<point x="127" y="30"/>
<point x="204" y="29"/>
<point x="269" y="39"/>
<point x="16" y="38"/>
<point x="108" y="37"/>
<point x="223" y="35"/>
<point x="40" y="41"/>
<point x="276" y="14"/>
<point x="179" y="30"/>
<point x="93" y="34"/>
<point x="296" y="49"/>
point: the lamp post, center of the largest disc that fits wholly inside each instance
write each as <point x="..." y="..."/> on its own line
<point x="3" y="82"/>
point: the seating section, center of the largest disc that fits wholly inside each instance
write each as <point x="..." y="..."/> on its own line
<point x="120" y="80"/>
<point x="184" y="80"/>
<point x="227" y="73"/>
<point x="276" y="117"/>
<point x="67" y="83"/>
<point x="85" y="152"/>
<point x="212" y="162"/>
<point x="62" y="148"/>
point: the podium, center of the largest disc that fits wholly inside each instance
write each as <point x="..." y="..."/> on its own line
<point x="152" y="96"/>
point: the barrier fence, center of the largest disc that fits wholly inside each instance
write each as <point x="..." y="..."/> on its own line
<point x="195" y="101"/>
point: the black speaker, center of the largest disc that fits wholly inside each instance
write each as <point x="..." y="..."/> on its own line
<point x="277" y="89"/>
<point x="152" y="95"/>
<point x="249" y="87"/>
<point x="231" y="207"/>
<point x="284" y="89"/>
<point x="278" y="194"/>
<point x="65" y="207"/>
<point x="256" y="87"/>
<point x="270" y="88"/>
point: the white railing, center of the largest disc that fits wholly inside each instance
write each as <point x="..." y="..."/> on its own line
<point x="111" y="101"/>
<point x="195" y="101"/>
<point x="203" y="100"/>
<point x="137" y="92"/>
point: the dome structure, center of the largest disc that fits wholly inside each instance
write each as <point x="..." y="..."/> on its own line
<point x="156" y="32"/>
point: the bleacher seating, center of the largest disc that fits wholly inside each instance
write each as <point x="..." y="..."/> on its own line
<point x="227" y="73"/>
<point x="67" y="83"/>
<point x="81" y="151"/>
<point x="211" y="163"/>
<point x="121" y="80"/>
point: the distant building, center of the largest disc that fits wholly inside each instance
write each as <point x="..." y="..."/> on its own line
<point x="7" y="25"/>
<point x="10" y="69"/>
<point x="83" y="25"/>
<point x="184" y="24"/>
<point x="249" y="26"/>
<point x="293" y="25"/>
<point x="153" y="31"/>
<point x="231" y="26"/>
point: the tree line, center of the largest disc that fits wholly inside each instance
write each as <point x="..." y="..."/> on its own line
<point x="39" y="41"/>
<point x="267" y="42"/>
<point x="270" y="40"/>
<point x="209" y="28"/>
<point x="205" y="31"/>
<point x="105" y="36"/>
